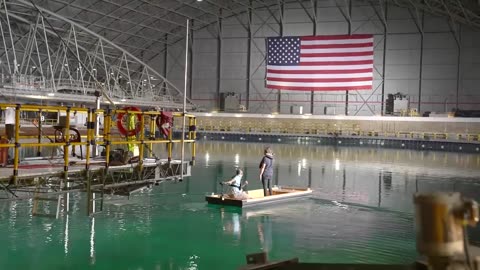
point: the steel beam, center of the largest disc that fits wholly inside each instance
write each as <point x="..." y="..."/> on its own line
<point x="219" y="57"/>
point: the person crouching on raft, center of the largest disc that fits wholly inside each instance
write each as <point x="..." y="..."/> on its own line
<point x="237" y="187"/>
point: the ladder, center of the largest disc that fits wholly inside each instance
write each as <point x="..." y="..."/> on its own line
<point x="40" y="197"/>
<point x="91" y="195"/>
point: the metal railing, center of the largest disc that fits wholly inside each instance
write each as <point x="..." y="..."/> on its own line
<point x="94" y="117"/>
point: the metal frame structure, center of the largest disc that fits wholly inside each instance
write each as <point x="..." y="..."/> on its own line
<point x="94" y="177"/>
<point x="51" y="57"/>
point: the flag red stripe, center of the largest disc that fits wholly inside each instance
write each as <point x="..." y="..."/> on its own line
<point x="336" y="37"/>
<point x="337" y="46"/>
<point x="309" y="88"/>
<point x="347" y="71"/>
<point x="337" y="63"/>
<point x="340" y="62"/>
<point x="336" y="54"/>
<point x="329" y="80"/>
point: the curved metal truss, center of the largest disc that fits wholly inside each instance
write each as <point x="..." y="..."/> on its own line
<point x="47" y="56"/>
<point x="462" y="11"/>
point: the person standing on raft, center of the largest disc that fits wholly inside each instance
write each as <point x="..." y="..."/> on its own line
<point x="266" y="171"/>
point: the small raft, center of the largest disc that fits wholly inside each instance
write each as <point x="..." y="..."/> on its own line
<point x="256" y="197"/>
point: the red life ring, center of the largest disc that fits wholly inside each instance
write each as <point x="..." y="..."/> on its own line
<point x="128" y="132"/>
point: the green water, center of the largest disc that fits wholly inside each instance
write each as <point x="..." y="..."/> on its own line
<point x="360" y="212"/>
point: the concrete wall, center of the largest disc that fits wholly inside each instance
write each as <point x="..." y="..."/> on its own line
<point x="440" y="56"/>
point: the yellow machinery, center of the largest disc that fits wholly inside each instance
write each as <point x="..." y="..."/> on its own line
<point x="441" y="220"/>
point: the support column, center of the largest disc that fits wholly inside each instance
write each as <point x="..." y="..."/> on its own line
<point x="459" y="59"/>
<point x="90" y="141"/>
<point x="249" y="55"/>
<point x="39" y="137"/>
<point x="219" y="57"/>
<point x="420" y="72"/>
<point x="165" y="63"/>
<point x="66" y="154"/>
<point x="282" y="27"/>
<point x="349" y="33"/>
<point x="312" y="94"/>
<point x="385" y="33"/>
<point x="190" y="61"/>
<point x="95" y="151"/>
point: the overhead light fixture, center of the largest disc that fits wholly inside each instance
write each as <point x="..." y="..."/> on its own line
<point x="94" y="69"/>
<point x="50" y="94"/>
<point x="123" y="100"/>
<point x="199" y="0"/>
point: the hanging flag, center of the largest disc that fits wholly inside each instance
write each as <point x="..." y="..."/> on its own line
<point x="320" y="63"/>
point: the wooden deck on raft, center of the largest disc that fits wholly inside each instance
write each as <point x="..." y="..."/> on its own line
<point x="256" y="197"/>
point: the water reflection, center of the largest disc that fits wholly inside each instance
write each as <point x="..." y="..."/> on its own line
<point x="231" y="222"/>
<point x="371" y="176"/>
<point x="65" y="240"/>
<point x="264" y="228"/>
<point x="92" y="240"/>
<point x="171" y="226"/>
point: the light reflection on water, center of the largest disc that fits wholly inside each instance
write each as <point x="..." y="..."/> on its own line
<point x="361" y="211"/>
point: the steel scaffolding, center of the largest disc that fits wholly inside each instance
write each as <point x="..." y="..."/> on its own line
<point x="50" y="57"/>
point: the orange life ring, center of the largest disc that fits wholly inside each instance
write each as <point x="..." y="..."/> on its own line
<point x="124" y="131"/>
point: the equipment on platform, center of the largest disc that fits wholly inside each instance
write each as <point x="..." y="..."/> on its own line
<point x="296" y="109"/>
<point x="397" y="104"/>
<point x="230" y="102"/>
<point x="328" y="110"/>
<point x="466" y="113"/>
<point x="73" y="134"/>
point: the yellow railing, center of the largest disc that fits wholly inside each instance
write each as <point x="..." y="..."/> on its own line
<point x="90" y="139"/>
<point x="320" y="127"/>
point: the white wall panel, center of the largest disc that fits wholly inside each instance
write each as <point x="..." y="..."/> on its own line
<point x="397" y="72"/>
<point x="440" y="56"/>
<point x="298" y="29"/>
<point x="329" y="14"/>
<point x="439" y="41"/>
<point x="435" y="24"/>
<point x="405" y="26"/>
<point x="402" y="57"/>
<point x="440" y="72"/>
<point x="297" y="15"/>
<point x="404" y="86"/>
<point x="332" y="28"/>
<point x="367" y="27"/>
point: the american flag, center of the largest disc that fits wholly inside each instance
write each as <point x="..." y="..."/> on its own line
<point x="320" y="63"/>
